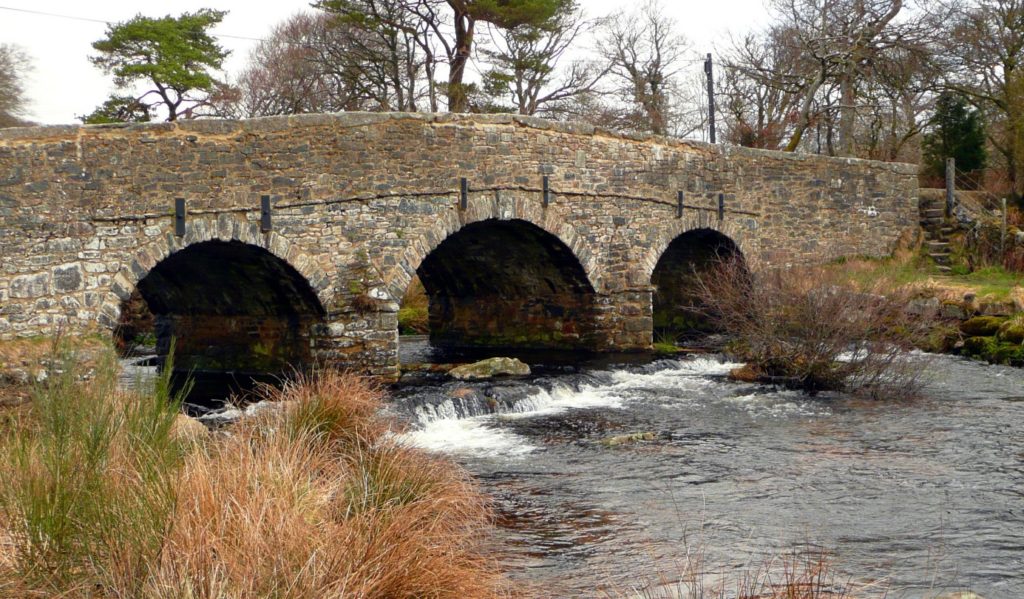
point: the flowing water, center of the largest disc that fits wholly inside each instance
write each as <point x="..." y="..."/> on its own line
<point x="917" y="496"/>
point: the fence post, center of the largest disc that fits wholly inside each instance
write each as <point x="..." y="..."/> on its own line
<point x="1002" y="232"/>
<point x="950" y="184"/>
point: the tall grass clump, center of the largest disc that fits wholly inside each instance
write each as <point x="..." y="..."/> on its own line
<point x="91" y="483"/>
<point x="310" y="498"/>
<point x="810" y="329"/>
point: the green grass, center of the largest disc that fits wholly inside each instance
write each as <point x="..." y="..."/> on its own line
<point x="91" y="475"/>
<point x="993" y="282"/>
<point x="413" y="321"/>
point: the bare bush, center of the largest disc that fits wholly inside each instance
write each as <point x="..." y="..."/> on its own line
<point x="802" y="328"/>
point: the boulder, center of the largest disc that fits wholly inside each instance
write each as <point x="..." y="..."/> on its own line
<point x="953" y="311"/>
<point x="981" y="326"/>
<point x="995" y="308"/>
<point x="222" y="417"/>
<point x="922" y="306"/>
<point x="188" y="430"/>
<point x="491" y="367"/>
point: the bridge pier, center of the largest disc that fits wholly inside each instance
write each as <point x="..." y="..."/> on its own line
<point x="365" y="342"/>
<point x="624" y="320"/>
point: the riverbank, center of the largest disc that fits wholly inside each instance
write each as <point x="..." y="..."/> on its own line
<point x="978" y="314"/>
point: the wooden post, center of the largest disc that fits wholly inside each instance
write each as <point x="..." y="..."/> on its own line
<point x="950" y="184"/>
<point x="1002" y="232"/>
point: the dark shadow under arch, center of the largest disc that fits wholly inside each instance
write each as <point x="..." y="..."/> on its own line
<point x="233" y="309"/>
<point x="507" y="283"/>
<point x="678" y="313"/>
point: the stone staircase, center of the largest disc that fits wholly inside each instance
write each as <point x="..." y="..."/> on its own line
<point x="937" y="229"/>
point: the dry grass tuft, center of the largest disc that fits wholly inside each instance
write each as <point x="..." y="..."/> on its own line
<point x="107" y="499"/>
<point x="779" y="576"/>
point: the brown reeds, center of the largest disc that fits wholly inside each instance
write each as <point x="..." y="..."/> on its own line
<point x="312" y="499"/>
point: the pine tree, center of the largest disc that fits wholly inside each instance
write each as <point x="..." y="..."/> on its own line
<point x="956" y="131"/>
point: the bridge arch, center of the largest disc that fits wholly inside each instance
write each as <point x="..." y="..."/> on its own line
<point x="508" y="283"/>
<point x="742" y="234"/>
<point x="199" y="230"/>
<point x="234" y="301"/>
<point x="677" y="309"/>
<point x="554" y="220"/>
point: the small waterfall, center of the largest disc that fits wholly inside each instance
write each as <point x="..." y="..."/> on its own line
<point x="466" y="416"/>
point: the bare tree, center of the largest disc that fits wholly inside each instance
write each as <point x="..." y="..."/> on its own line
<point x="645" y="55"/>
<point x="898" y="101"/>
<point x="983" y="58"/>
<point x="822" y="56"/>
<point x="760" y="89"/>
<point x="283" y="76"/>
<point x="14" y="65"/>
<point x="329" y="62"/>
<point x="525" y="64"/>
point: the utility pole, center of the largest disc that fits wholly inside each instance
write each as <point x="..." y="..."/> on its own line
<point x="708" y="70"/>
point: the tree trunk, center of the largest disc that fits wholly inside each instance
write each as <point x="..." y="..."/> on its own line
<point x="847" y="112"/>
<point x="458" y="100"/>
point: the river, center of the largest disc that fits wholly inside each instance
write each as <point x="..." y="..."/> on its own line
<point x="916" y="496"/>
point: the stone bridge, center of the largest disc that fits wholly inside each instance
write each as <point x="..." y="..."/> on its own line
<point x="300" y="234"/>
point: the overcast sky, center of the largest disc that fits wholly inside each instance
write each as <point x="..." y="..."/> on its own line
<point x="63" y="83"/>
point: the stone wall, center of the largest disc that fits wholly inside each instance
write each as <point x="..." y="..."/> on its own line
<point x="359" y="200"/>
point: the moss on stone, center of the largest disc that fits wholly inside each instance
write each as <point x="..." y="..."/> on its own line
<point x="981" y="326"/>
<point x="991" y="349"/>
<point x="941" y="338"/>
<point x="1012" y="331"/>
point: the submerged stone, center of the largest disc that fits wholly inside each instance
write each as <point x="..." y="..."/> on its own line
<point x="630" y="438"/>
<point x="485" y="369"/>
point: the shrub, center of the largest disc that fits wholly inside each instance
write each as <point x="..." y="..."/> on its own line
<point x="803" y="329"/>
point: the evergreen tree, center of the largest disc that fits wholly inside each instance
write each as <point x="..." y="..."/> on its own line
<point x="956" y="131"/>
<point x="171" y="56"/>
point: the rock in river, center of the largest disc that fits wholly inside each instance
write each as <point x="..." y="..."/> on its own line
<point x="485" y="369"/>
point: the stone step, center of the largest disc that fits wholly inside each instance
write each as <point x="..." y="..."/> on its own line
<point x="943" y="268"/>
<point x="940" y="258"/>
<point x="938" y="246"/>
<point x="933" y="212"/>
